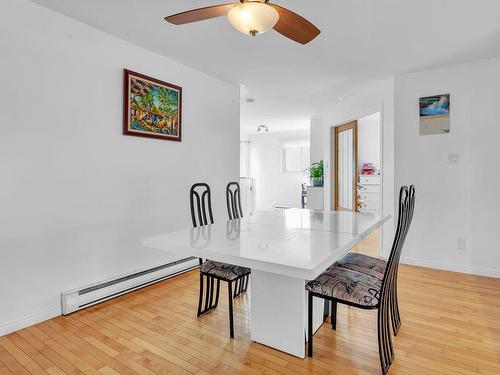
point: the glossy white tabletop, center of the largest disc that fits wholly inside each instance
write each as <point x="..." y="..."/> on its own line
<point x="297" y="243"/>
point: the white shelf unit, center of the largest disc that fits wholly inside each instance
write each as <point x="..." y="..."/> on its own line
<point x="369" y="194"/>
<point x="315" y="198"/>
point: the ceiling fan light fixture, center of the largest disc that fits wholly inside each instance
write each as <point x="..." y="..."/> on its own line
<point x="253" y="17"/>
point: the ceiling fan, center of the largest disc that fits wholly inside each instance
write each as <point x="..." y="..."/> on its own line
<point x="253" y="17"/>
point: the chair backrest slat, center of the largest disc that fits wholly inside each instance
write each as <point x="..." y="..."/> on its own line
<point x="409" y="217"/>
<point x="233" y="201"/>
<point x="405" y="217"/>
<point x="200" y="205"/>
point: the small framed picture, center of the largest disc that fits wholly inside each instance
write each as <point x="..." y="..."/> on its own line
<point x="435" y="114"/>
<point x="152" y="108"/>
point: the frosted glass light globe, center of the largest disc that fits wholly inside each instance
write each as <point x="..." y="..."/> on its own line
<point x="253" y="17"/>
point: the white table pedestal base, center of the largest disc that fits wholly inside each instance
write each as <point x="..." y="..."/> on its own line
<point x="278" y="315"/>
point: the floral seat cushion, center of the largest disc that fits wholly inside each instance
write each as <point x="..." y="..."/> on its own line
<point x="224" y="271"/>
<point x="347" y="285"/>
<point x="364" y="264"/>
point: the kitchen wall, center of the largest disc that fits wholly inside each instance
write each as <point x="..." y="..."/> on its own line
<point x="369" y="140"/>
<point x="316" y="134"/>
<point x="76" y="196"/>
<point x="273" y="187"/>
<point x="456" y="216"/>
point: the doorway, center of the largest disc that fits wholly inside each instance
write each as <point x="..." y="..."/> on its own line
<point x="346" y="166"/>
<point x="356" y="173"/>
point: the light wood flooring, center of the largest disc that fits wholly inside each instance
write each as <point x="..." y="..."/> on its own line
<point x="450" y="325"/>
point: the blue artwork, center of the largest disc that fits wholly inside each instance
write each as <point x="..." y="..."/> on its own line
<point x="435" y="114"/>
<point x="435" y="105"/>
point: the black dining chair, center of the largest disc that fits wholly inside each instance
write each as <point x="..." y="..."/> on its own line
<point x="234" y="211"/>
<point x="233" y="201"/>
<point x="357" y="289"/>
<point x="376" y="267"/>
<point x="212" y="272"/>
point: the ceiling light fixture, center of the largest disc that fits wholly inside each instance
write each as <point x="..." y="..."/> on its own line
<point x="253" y="17"/>
<point x="262" y="129"/>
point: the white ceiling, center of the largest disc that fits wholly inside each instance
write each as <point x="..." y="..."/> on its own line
<point x="361" y="41"/>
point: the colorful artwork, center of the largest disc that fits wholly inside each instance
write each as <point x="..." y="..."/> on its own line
<point x="152" y="108"/>
<point x="435" y="114"/>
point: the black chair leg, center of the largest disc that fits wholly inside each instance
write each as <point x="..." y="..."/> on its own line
<point x="201" y="294"/>
<point x="334" y="315"/>
<point x="240" y="286"/>
<point x="207" y="290"/>
<point x="217" y="294"/>
<point x="245" y="285"/>
<point x="310" y="324"/>
<point x="212" y="282"/>
<point x="236" y="283"/>
<point x="230" y="294"/>
<point x="382" y="349"/>
<point x="247" y="280"/>
<point x="386" y="352"/>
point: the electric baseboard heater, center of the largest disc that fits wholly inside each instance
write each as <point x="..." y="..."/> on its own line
<point x="81" y="298"/>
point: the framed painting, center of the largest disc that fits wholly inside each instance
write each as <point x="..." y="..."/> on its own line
<point x="435" y="114"/>
<point x="152" y="108"/>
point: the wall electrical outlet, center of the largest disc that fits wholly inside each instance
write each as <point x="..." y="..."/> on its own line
<point x="461" y="244"/>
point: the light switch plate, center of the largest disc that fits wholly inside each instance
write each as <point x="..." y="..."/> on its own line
<point x="452" y="158"/>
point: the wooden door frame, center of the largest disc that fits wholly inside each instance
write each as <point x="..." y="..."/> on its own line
<point x="336" y="130"/>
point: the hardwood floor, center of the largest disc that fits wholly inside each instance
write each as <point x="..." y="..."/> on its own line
<point x="450" y="325"/>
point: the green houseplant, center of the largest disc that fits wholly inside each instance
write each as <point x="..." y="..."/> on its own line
<point x="316" y="173"/>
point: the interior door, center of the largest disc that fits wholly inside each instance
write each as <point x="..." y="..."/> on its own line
<point x="346" y="166"/>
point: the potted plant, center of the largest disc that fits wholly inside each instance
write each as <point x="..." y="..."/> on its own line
<point x="316" y="173"/>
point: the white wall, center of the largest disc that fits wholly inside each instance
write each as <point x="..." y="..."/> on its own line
<point x="454" y="201"/>
<point x="330" y="112"/>
<point x="76" y="195"/>
<point x="273" y="187"/>
<point x="316" y="142"/>
<point x="369" y="140"/>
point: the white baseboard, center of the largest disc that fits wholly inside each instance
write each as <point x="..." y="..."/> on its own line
<point x="6" y="328"/>
<point x="480" y="271"/>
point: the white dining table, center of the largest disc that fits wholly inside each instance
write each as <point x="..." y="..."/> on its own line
<point x="284" y="249"/>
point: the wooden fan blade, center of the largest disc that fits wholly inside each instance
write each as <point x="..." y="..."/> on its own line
<point x="200" y="14"/>
<point x="294" y="26"/>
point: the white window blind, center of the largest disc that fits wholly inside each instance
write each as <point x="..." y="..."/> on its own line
<point x="294" y="156"/>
